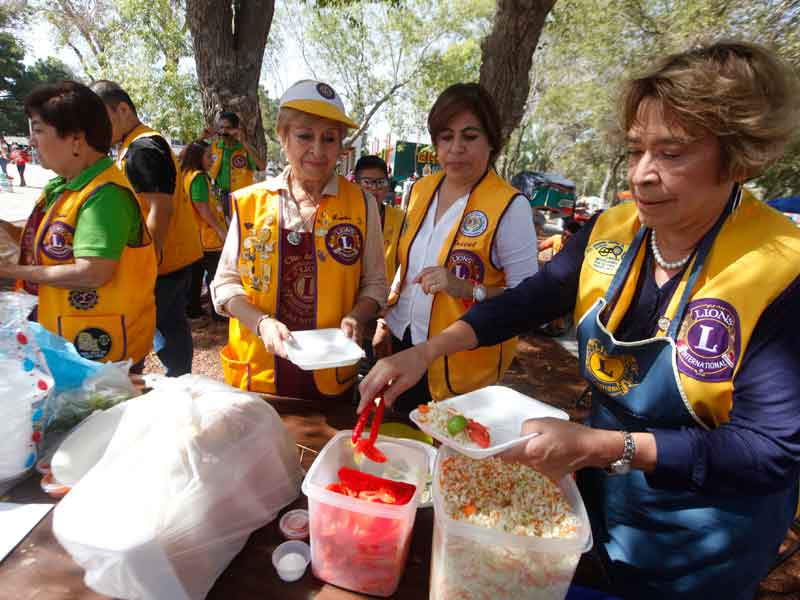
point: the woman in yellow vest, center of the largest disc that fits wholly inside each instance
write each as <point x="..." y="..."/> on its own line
<point x="195" y="162"/>
<point x="304" y="251"/>
<point x="467" y="236"/>
<point x="85" y="246"/>
<point x="687" y="303"/>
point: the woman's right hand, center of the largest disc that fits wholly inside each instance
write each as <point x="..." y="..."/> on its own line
<point x="382" y="340"/>
<point x="395" y="374"/>
<point x="274" y="334"/>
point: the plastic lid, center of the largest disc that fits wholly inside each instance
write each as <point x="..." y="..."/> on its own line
<point x="294" y="524"/>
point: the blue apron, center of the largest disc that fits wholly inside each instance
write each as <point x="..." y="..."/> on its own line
<point x="664" y="543"/>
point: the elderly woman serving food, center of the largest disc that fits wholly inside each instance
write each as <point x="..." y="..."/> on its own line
<point x="686" y="302"/>
<point x="304" y="251"/>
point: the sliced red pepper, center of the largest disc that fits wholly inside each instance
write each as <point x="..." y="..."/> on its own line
<point x="478" y="433"/>
<point x="376" y="489"/>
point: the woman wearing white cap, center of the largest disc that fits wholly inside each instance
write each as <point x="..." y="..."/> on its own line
<point x="304" y="251"/>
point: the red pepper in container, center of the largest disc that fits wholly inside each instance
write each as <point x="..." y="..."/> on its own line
<point x="366" y="447"/>
<point x="364" y="486"/>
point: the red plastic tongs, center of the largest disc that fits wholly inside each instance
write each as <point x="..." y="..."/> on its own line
<point x="366" y="446"/>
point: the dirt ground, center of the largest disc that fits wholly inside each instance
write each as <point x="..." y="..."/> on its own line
<point x="543" y="370"/>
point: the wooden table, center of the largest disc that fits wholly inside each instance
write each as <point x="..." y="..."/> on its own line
<point x="39" y="569"/>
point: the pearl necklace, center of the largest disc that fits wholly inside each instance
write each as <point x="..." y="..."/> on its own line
<point x="667" y="266"/>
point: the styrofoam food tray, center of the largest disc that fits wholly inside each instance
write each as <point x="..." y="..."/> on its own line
<point x="499" y="408"/>
<point x="315" y="349"/>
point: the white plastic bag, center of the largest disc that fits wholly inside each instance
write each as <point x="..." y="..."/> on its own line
<point x="25" y="386"/>
<point x="193" y="468"/>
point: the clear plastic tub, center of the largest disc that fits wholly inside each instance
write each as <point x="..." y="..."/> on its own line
<point x="471" y="562"/>
<point x="355" y="544"/>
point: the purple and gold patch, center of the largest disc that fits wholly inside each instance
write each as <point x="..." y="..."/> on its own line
<point x="466" y="265"/>
<point x="239" y="161"/>
<point x="344" y="242"/>
<point x="57" y="241"/>
<point x="709" y="340"/>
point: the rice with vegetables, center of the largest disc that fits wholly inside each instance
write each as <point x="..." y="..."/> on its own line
<point x="439" y="417"/>
<point x="509" y="498"/>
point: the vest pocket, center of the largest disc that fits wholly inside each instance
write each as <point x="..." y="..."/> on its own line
<point x="96" y="337"/>
<point x="236" y="372"/>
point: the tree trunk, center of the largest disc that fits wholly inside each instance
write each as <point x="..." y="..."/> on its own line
<point x="613" y="179"/>
<point x="508" y="56"/>
<point x="229" y="50"/>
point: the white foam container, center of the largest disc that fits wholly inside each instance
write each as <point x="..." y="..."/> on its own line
<point x="501" y="409"/>
<point x="468" y="561"/>
<point x="358" y="545"/>
<point x="315" y="349"/>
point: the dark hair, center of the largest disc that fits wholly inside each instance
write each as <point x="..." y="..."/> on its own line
<point x="231" y="117"/>
<point x="112" y="94"/>
<point x="192" y="156"/>
<point x="71" y="107"/>
<point x="474" y="98"/>
<point x="572" y="227"/>
<point x="371" y="162"/>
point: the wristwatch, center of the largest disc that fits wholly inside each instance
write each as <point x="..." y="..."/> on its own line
<point x="623" y="465"/>
<point x="479" y="293"/>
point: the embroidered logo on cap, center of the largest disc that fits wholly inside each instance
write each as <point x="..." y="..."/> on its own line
<point x="466" y="265"/>
<point x="709" y="340"/>
<point x="475" y="223"/>
<point x="326" y="91"/>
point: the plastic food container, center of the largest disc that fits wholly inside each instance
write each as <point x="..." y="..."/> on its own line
<point x="290" y="560"/>
<point x="355" y="544"/>
<point x="468" y="561"/>
<point x="322" y="349"/>
<point x="501" y="409"/>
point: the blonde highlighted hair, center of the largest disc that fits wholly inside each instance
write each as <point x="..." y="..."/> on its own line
<point x="738" y="91"/>
<point x="287" y="116"/>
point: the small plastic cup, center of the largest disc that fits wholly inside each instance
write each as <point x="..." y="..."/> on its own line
<point x="294" y="524"/>
<point x="291" y="560"/>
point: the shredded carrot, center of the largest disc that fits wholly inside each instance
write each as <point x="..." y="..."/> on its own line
<point x="469" y="509"/>
<point x="423" y="408"/>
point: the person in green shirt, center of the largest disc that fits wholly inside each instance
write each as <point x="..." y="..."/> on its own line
<point x="231" y="152"/>
<point x="195" y="162"/>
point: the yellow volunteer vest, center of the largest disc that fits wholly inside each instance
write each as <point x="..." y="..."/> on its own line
<point x="241" y="175"/>
<point x="208" y="237"/>
<point x="182" y="245"/>
<point x="116" y="321"/>
<point x="392" y="224"/>
<point x="339" y="238"/>
<point x="467" y="253"/>
<point x="755" y="256"/>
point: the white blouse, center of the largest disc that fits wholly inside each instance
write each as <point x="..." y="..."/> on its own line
<point x="514" y="251"/>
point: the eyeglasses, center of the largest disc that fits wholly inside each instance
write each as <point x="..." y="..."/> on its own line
<point x="373" y="183"/>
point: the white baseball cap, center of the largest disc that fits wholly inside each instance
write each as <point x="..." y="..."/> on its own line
<point x="316" y="98"/>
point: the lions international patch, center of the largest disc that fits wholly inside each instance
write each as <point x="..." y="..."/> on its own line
<point x="474" y="223"/>
<point x="344" y="243"/>
<point x="93" y="343"/>
<point x="709" y="340"/>
<point x="57" y="241"/>
<point x="466" y="265"/>
<point x="83" y="299"/>
<point x="605" y="256"/>
<point x="239" y="161"/>
<point x="326" y="91"/>
<point x="614" y="374"/>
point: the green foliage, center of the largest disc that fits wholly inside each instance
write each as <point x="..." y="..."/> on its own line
<point x="588" y="48"/>
<point x="144" y="46"/>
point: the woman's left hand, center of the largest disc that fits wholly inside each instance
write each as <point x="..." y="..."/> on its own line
<point x="352" y="328"/>
<point x="439" y="279"/>
<point x="560" y="448"/>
